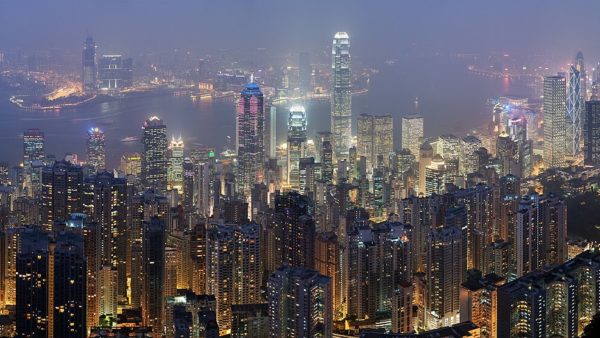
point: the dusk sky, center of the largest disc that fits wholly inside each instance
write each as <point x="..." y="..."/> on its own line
<point x="377" y="28"/>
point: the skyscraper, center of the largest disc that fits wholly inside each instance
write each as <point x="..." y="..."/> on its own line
<point x="299" y="303"/>
<point x="250" y="138"/>
<point x="154" y="154"/>
<point x="175" y="165"/>
<point x="33" y="155"/>
<point x="375" y="137"/>
<point x="296" y="144"/>
<point x="115" y="72"/>
<point x="341" y="95"/>
<point x="62" y="192"/>
<point x="95" y="149"/>
<point x="575" y="116"/>
<point x="592" y="141"/>
<point x="446" y="267"/>
<point x="89" y="66"/>
<point x="412" y="133"/>
<point x="153" y="266"/>
<point x="555" y="137"/>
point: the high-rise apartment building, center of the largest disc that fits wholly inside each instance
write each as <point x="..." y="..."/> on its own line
<point x="115" y="72"/>
<point x="299" y="303"/>
<point x="592" y="141"/>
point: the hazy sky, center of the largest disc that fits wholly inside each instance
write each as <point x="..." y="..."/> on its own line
<point x="376" y="27"/>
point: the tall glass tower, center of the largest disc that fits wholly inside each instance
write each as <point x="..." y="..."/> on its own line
<point x="89" y="67"/>
<point x="154" y="154"/>
<point x="250" y="138"/>
<point x="341" y="95"/>
<point x="574" y="118"/>
<point x="296" y="144"/>
<point x="555" y="137"/>
<point x="95" y="149"/>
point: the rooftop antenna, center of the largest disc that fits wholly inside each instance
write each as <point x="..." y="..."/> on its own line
<point x="416" y="104"/>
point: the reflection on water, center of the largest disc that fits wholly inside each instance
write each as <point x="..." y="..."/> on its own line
<point x="451" y="100"/>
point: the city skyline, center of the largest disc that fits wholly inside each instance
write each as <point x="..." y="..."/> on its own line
<point x="363" y="177"/>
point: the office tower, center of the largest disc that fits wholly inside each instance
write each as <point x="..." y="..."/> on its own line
<point x="412" y="133"/>
<point x="115" y="72"/>
<point x="131" y="164"/>
<point x="554" y="106"/>
<point x="250" y="138"/>
<point x="295" y="231"/>
<point x="154" y="154"/>
<point x="468" y="157"/>
<point x="592" y="141"/>
<point x="478" y="302"/>
<point x="580" y="67"/>
<point x="299" y="303"/>
<point x="378" y="259"/>
<point x="32" y="278"/>
<point x="296" y="144"/>
<point x="540" y="234"/>
<point x="326" y="161"/>
<point x="153" y="266"/>
<point x="308" y="177"/>
<point x="175" y="165"/>
<point x="250" y="320"/>
<point x="33" y="146"/>
<point x="110" y="212"/>
<point x="89" y="66"/>
<point x="170" y="284"/>
<point x="62" y="192"/>
<point x="67" y="277"/>
<point x="33" y="157"/>
<point x="436" y="176"/>
<point x="574" y="114"/>
<point x="446" y="267"/>
<point x="304" y="73"/>
<point x="507" y="154"/>
<point x="425" y="159"/>
<point x="270" y="130"/>
<point x="341" y="95"/>
<point x="375" y="137"/>
<point x="556" y="302"/>
<point x="95" y="149"/>
<point x="499" y="117"/>
<point x="517" y="129"/>
<point x="327" y="263"/>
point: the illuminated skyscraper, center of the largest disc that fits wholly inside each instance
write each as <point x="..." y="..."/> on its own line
<point x="62" y="192"/>
<point x="154" y="154"/>
<point x="299" y="303"/>
<point x="341" y="95"/>
<point x="296" y="144"/>
<point x="175" y="165"/>
<point x="592" y="142"/>
<point x="412" y="133"/>
<point x="153" y="266"/>
<point x="555" y="138"/>
<point x="115" y="72"/>
<point x="95" y="149"/>
<point x="250" y="138"/>
<point x="89" y="66"/>
<point x="375" y="137"/>
<point x="33" y="146"/>
<point x="575" y="116"/>
<point x="446" y="267"/>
